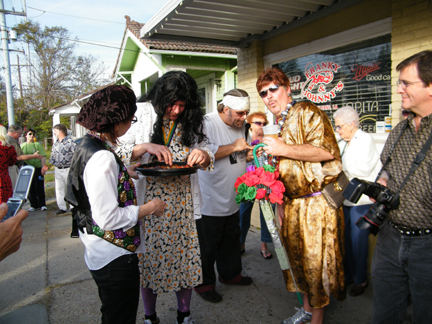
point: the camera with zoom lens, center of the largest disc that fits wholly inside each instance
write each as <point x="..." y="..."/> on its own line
<point x="385" y="201"/>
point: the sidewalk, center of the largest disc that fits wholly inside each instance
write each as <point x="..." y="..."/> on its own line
<point x="47" y="281"/>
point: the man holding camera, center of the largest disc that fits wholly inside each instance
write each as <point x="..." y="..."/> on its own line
<point x="402" y="262"/>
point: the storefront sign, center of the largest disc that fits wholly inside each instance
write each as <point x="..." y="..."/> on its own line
<point x="362" y="70"/>
<point x="357" y="77"/>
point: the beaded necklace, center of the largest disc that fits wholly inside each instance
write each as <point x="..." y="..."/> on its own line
<point x="274" y="161"/>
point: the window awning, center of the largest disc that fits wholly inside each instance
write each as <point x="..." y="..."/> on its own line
<point x="235" y="22"/>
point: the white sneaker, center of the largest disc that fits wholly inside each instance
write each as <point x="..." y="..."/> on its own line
<point x="187" y="320"/>
<point x="301" y="317"/>
<point x="31" y="209"/>
<point x="43" y="208"/>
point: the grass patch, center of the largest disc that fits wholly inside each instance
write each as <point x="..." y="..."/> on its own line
<point x="49" y="177"/>
<point x="50" y="193"/>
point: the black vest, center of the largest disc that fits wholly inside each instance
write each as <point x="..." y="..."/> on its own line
<point x="76" y="194"/>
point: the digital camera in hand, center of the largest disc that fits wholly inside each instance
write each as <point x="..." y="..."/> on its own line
<point x="385" y="201"/>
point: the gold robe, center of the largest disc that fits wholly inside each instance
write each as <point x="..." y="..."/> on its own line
<point x="312" y="232"/>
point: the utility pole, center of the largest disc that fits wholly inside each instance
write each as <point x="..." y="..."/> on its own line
<point x="5" y="45"/>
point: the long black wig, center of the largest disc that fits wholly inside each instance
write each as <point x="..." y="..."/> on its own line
<point x="169" y="88"/>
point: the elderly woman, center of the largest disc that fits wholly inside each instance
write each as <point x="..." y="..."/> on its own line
<point x="360" y="159"/>
<point x="256" y="121"/>
<point x="170" y="117"/>
<point x="104" y="200"/>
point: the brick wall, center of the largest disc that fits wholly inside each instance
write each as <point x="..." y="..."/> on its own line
<point x="250" y="64"/>
<point x="411" y="33"/>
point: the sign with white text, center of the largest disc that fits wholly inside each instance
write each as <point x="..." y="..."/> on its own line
<point x="357" y="75"/>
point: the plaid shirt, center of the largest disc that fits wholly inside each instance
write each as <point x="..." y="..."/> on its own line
<point x="415" y="209"/>
<point x="62" y="152"/>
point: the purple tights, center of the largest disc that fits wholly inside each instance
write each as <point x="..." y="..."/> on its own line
<point x="149" y="300"/>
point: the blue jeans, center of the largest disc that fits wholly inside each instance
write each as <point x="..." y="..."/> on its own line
<point x="356" y="245"/>
<point x="245" y="220"/>
<point x="402" y="269"/>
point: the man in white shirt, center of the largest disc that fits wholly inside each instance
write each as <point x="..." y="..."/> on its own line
<point x="219" y="229"/>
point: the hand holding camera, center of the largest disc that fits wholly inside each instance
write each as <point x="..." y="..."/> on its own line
<point x="385" y="200"/>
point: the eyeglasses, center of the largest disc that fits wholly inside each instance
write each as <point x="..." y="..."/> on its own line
<point x="31" y="134"/>
<point x="272" y="89"/>
<point x="405" y="84"/>
<point x="338" y="128"/>
<point x="260" y="124"/>
<point x="241" y="113"/>
<point x="134" y="120"/>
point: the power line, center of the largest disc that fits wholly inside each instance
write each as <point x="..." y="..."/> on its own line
<point x="57" y="13"/>
<point x="95" y="44"/>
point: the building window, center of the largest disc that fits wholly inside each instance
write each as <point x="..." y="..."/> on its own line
<point x="357" y="75"/>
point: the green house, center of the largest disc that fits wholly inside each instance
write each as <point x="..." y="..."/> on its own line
<point x="140" y="62"/>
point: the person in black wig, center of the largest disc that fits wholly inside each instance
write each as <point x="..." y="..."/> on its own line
<point x="171" y="87"/>
<point x="170" y="118"/>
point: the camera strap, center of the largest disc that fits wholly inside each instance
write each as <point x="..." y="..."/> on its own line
<point x="416" y="163"/>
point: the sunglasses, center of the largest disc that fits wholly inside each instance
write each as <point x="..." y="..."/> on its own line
<point x="242" y="113"/>
<point x="31" y="134"/>
<point x="272" y="89"/>
<point x="260" y="124"/>
<point x="134" y="120"/>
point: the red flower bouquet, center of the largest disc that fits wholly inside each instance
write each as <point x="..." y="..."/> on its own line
<point x="259" y="183"/>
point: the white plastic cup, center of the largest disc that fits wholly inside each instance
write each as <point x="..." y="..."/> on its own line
<point x="271" y="131"/>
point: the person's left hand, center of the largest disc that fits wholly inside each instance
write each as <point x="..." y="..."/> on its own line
<point x="258" y="152"/>
<point x="199" y="157"/>
<point x="44" y="169"/>
<point x="38" y="156"/>
<point x="131" y="170"/>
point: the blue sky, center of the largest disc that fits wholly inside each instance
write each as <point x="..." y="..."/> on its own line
<point x="105" y="23"/>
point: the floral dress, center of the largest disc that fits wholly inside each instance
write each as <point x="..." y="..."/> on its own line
<point x="171" y="257"/>
<point x="8" y="157"/>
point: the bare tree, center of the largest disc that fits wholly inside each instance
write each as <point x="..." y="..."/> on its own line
<point x="59" y="74"/>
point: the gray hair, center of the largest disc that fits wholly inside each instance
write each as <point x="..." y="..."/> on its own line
<point x="14" y="129"/>
<point x="348" y="115"/>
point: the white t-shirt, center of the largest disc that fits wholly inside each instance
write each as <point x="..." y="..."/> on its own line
<point x="217" y="187"/>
